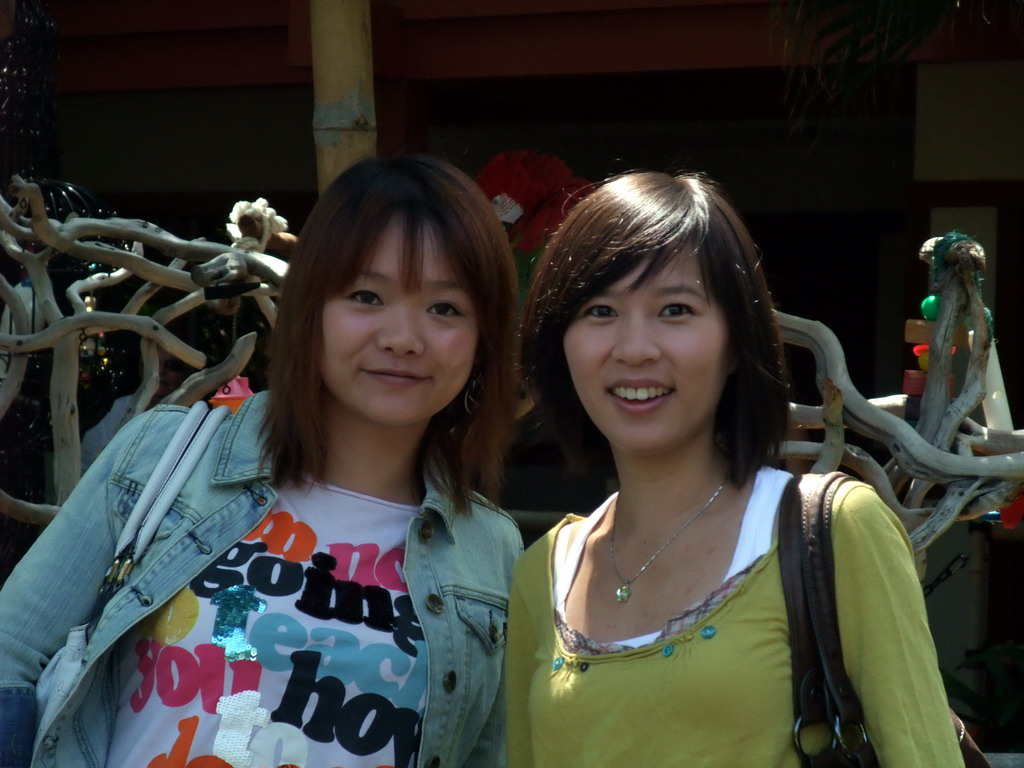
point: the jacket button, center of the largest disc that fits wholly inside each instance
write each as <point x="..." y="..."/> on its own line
<point x="495" y="634"/>
<point x="435" y="763"/>
<point x="435" y="603"/>
<point x="427" y="530"/>
<point x="449" y="681"/>
<point x="49" y="742"/>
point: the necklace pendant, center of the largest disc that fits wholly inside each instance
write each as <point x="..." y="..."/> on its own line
<point x="622" y="593"/>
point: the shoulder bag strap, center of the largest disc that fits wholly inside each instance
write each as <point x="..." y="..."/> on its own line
<point x="808" y="692"/>
<point x="173" y="468"/>
<point x="846" y="713"/>
<point x="822" y="693"/>
<point x="805" y="527"/>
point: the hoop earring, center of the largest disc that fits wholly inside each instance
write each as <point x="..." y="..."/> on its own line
<point x="471" y="394"/>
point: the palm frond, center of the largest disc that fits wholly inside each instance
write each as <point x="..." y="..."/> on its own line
<point x="839" y="49"/>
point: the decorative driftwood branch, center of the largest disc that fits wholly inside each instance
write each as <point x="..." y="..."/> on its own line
<point x="974" y="484"/>
<point x="67" y="449"/>
<point x="984" y="472"/>
<point x="976" y="439"/>
<point x="95" y="322"/>
<point x="832" y="421"/>
<point x="946" y="469"/>
<point x="147" y="291"/>
<point x="196" y="269"/>
<point x="237" y="267"/>
<point x="26" y="511"/>
<point x="202" y="382"/>
<point x="91" y="284"/>
<point x="68" y="237"/>
<point x="906" y="445"/>
<point x="11" y="384"/>
<point x="865" y="467"/>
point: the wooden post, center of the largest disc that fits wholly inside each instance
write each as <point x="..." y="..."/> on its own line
<point x="344" y="118"/>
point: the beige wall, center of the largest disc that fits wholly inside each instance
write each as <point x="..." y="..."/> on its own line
<point x="970" y="122"/>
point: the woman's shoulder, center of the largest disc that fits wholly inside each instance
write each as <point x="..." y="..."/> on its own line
<point x="860" y="515"/>
<point x="537" y="557"/>
<point x="487" y="521"/>
<point x="857" y="501"/>
<point x="152" y="424"/>
<point x="140" y="443"/>
<point x="489" y="513"/>
<point x="148" y="432"/>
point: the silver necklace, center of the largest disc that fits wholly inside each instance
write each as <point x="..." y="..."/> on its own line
<point x="623" y="592"/>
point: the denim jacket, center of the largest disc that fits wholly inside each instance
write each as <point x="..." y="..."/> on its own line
<point x="458" y="569"/>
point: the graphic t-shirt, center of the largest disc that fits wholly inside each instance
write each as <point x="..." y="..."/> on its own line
<point x="298" y="647"/>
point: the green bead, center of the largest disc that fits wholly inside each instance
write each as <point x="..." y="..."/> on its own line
<point x="930" y="307"/>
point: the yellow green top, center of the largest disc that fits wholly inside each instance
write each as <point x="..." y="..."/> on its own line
<point x="720" y="694"/>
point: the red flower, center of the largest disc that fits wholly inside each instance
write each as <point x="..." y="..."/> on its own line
<point x="526" y="176"/>
<point x="532" y="192"/>
<point x="538" y="224"/>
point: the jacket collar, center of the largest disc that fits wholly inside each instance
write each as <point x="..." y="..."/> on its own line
<point x="439" y="503"/>
<point x="239" y="459"/>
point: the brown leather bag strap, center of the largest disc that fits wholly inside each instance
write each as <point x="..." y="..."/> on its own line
<point x="808" y="677"/>
<point x="845" y="711"/>
<point x="822" y="692"/>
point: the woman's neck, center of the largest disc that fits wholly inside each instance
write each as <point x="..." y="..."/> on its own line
<point x="375" y="463"/>
<point x="650" y="488"/>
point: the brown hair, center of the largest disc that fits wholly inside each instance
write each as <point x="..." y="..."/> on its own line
<point x="427" y="196"/>
<point x="642" y="221"/>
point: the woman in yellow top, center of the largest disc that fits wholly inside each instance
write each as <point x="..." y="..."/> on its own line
<point x="654" y="632"/>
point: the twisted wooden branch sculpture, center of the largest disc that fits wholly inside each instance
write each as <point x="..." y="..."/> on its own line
<point x="16" y="369"/>
<point x="986" y="472"/>
<point x="949" y="468"/>
<point x="209" y="265"/>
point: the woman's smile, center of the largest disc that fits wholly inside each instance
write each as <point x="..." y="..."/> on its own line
<point x="397" y="378"/>
<point x="641" y="393"/>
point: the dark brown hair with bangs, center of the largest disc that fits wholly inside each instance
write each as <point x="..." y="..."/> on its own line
<point x="426" y="196"/>
<point x="642" y="221"/>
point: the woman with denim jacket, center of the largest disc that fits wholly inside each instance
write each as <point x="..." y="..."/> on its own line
<point x="327" y="589"/>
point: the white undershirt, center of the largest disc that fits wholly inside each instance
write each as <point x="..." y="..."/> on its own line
<point x="754" y="540"/>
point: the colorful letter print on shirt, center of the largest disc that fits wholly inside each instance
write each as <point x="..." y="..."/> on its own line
<point x="299" y="647"/>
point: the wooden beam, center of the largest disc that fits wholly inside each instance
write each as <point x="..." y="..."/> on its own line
<point x="131" y="17"/>
<point x="193" y="43"/>
<point x="300" y="47"/>
<point x="449" y="9"/>
<point x="157" y="61"/>
<point x="596" y="42"/>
